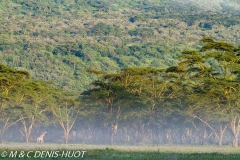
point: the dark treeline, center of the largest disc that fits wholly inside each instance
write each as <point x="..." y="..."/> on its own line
<point x="195" y="102"/>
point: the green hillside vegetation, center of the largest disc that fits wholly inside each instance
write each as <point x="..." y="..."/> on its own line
<point x="120" y="72"/>
<point x="194" y="102"/>
<point x="59" y="40"/>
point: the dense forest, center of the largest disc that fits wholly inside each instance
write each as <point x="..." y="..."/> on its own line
<point x="194" y="102"/>
<point x="59" y="40"/>
<point x="124" y="72"/>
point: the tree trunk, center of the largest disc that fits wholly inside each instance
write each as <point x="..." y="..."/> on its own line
<point x="182" y="138"/>
<point x="27" y="129"/>
<point x="203" y="136"/>
<point x="220" y="140"/>
<point x="66" y="135"/>
<point x="27" y="137"/>
<point x="114" y="131"/>
<point x="125" y="135"/>
<point x="27" y="133"/>
<point x="188" y="135"/>
<point x="235" y="127"/>
<point x="1" y="134"/>
<point x="112" y="139"/>
<point x="235" y="141"/>
<point x="66" y="128"/>
<point x="222" y="131"/>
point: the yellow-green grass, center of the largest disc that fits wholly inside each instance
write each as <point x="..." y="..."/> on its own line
<point x="123" y="152"/>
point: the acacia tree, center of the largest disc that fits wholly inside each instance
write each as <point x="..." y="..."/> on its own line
<point x="65" y="109"/>
<point x="116" y="94"/>
<point x="215" y="74"/>
<point x="210" y="109"/>
<point x="192" y="63"/>
<point x="10" y="81"/>
<point x="33" y="104"/>
<point x="226" y="74"/>
<point x="180" y="86"/>
<point x="149" y="86"/>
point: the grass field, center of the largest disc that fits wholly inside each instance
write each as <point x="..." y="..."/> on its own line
<point x="104" y="152"/>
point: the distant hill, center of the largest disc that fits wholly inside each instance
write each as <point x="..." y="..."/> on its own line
<point x="59" y="39"/>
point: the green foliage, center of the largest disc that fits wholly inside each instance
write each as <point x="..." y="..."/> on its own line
<point x="57" y="39"/>
<point x="102" y="29"/>
<point x="127" y="45"/>
<point x="142" y="32"/>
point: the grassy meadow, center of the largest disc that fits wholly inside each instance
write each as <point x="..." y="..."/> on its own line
<point x="163" y="152"/>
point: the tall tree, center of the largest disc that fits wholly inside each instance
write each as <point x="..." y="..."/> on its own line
<point x="33" y="104"/>
<point x="115" y="93"/>
<point x="65" y="109"/>
<point x="214" y="72"/>
<point x="11" y="81"/>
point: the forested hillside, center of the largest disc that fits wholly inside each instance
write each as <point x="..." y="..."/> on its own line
<point x="60" y="39"/>
<point x="194" y="102"/>
<point x="125" y="72"/>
